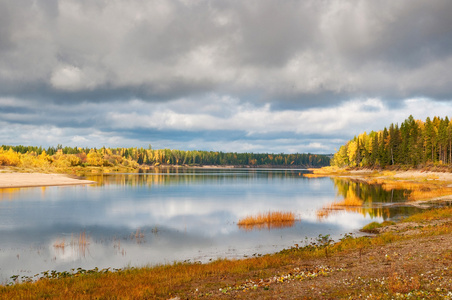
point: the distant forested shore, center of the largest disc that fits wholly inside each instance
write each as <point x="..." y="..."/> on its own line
<point x="67" y="157"/>
<point x="413" y="144"/>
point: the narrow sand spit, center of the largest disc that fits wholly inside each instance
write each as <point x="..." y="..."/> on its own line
<point x="15" y="180"/>
<point x="443" y="176"/>
<point x="403" y="175"/>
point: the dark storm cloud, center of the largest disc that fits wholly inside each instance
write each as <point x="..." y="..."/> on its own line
<point x="303" y="52"/>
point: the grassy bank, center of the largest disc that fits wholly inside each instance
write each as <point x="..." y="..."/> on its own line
<point x="290" y="272"/>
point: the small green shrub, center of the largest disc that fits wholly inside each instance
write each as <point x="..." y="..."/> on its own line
<point x="372" y="227"/>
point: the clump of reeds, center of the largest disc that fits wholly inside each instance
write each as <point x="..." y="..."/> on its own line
<point x="59" y="244"/>
<point x="328" y="210"/>
<point x="350" y="203"/>
<point x="138" y="236"/>
<point x="268" y="220"/>
<point x="81" y="241"/>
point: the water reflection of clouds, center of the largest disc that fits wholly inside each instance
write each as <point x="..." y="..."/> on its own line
<point x="175" y="212"/>
<point x="349" y="221"/>
<point x="181" y="218"/>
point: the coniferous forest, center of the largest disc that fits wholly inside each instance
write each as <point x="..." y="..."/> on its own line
<point x="31" y="156"/>
<point x="413" y="144"/>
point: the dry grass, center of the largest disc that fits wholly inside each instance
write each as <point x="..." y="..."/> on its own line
<point x="350" y="203"/>
<point x="415" y="190"/>
<point x="426" y="192"/>
<point x="268" y="220"/>
<point x="309" y="175"/>
<point x="83" y="242"/>
<point x="432" y="214"/>
<point x="59" y="244"/>
<point x="323" y="214"/>
<point x="138" y="236"/>
<point x="402" y="284"/>
<point x="330" y="170"/>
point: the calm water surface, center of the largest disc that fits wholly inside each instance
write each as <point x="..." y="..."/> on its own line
<point x="174" y="215"/>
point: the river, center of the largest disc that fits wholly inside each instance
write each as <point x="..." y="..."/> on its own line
<point x="133" y="220"/>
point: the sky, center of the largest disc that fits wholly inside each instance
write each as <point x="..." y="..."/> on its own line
<point x="242" y="76"/>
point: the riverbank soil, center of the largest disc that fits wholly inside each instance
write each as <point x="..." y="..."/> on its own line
<point x="417" y="267"/>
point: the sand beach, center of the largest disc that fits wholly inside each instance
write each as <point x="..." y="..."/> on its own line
<point x="16" y="180"/>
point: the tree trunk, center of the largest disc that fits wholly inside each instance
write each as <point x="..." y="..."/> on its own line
<point x="392" y="157"/>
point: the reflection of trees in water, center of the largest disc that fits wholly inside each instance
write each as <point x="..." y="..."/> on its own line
<point x="368" y="193"/>
<point x="9" y="193"/>
<point x="366" y="199"/>
<point x="169" y="176"/>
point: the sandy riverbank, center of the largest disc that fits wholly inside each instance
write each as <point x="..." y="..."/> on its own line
<point x="15" y="180"/>
<point x="442" y="176"/>
<point x="415" y="175"/>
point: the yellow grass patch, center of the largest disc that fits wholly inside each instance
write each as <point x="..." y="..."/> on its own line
<point x="433" y="214"/>
<point x="429" y="193"/>
<point x="415" y="190"/>
<point x="268" y="220"/>
<point x="309" y="175"/>
<point x="330" y="170"/>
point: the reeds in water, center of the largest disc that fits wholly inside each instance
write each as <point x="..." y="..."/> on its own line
<point x="78" y="244"/>
<point x="60" y="244"/>
<point x="83" y="243"/>
<point x="350" y="203"/>
<point x="269" y="220"/>
<point x="138" y="236"/>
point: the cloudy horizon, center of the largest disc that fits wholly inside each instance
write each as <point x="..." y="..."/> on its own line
<point x="240" y="76"/>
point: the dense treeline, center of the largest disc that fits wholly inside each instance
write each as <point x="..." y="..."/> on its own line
<point x="415" y="144"/>
<point x="133" y="157"/>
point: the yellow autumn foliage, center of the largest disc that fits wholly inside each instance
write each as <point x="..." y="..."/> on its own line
<point x="9" y="158"/>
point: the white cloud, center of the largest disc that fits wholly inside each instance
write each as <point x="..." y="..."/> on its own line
<point x="67" y="78"/>
<point x="221" y="123"/>
<point x="250" y="118"/>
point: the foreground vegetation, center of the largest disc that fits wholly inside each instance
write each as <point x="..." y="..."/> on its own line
<point x="320" y="267"/>
<point x="73" y="160"/>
